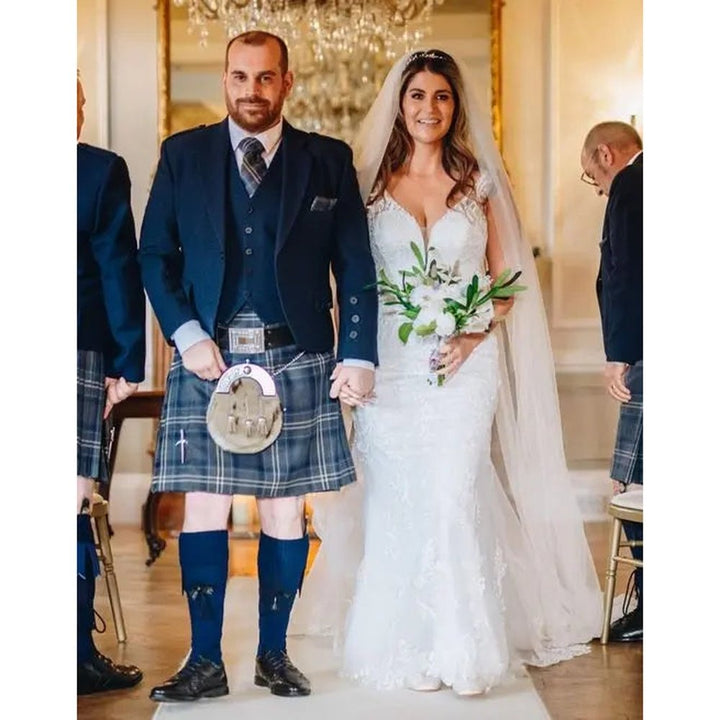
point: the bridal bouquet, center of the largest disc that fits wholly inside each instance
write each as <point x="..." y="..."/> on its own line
<point x="435" y="300"/>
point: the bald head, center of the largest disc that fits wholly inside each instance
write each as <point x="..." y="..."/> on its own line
<point x="615" y="134"/>
<point x="608" y="148"/>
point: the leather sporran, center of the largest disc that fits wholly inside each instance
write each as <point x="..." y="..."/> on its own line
<point x="244" y="414"/>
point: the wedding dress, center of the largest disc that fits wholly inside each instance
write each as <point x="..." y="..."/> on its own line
<point x="460" y="552"/>
<point x="445" y="588"/>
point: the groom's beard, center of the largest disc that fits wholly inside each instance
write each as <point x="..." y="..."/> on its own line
<point x="254" y="114"/>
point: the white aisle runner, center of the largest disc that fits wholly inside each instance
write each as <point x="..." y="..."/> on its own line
<point x="332" y="697"/>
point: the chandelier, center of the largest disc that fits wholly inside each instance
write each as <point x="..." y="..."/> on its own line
<point x="340" y="50"/>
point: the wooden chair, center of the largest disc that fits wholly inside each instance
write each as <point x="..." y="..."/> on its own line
<point x="142" y="404"/>
<point x="99" y="513"/>
<point x="624" y="506"/>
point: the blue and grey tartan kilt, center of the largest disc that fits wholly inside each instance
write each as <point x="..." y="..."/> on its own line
<point x="90" y="406"/>
<point x="310" y="455"/>
<point x="627" y="458"/>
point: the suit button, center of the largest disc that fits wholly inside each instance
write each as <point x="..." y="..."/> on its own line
<point x="355" y="318"/>
<point x="353" y="334"/>
<point x="353" y="300"/>
<point x="251" y="210"/>
<point x="248" y="230"/>
<point x="248" y="251"/>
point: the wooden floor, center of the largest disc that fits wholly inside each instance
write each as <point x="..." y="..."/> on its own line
<point x="603" y="685"/>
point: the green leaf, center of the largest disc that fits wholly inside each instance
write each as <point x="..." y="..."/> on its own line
<point x="416" y="251"/>
<point x="404" y="332"/>
<point x="509" y="291"/>
<point x="469" y="295"/>
<point x="502" y="277"/>
<point x="411" y="312"/>
<point x="512" y="279"/>
<point x="423" y="330"/>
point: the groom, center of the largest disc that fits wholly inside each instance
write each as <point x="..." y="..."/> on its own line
<point x="244" y="222"/>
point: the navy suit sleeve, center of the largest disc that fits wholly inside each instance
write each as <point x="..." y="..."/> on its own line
<point x="115" y="251"/>
<point x="624" y="280"/>
<point x="354" y="272"/>
<point x="161" y="257"/>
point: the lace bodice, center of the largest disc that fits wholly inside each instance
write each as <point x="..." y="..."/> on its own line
<point x="458" y="236"/>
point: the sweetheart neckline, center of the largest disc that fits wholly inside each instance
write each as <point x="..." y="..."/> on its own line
<point x="428" y="230"/>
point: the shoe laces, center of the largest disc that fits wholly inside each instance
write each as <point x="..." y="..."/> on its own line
<point x="189" y="668"/>
<point x="630" y="590"/>
<point x="277" y="659"/>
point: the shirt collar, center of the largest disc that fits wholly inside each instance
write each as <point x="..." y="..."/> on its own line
<point x="634" y="157"/>
<point x="269" y="138"/>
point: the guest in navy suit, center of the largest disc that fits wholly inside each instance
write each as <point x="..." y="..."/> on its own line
<point x="612" y="161"/>
<point x="110" y="364"/>
<point x="245" y="220"/>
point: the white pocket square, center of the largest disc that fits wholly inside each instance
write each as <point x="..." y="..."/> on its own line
<point x="322" y="203"/>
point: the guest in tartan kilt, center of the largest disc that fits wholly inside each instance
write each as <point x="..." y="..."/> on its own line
<point x="245" y="221"/>
<point x="612" y="160"/>
<point x="110" y="364"/>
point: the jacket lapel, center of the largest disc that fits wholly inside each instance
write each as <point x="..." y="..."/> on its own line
<point x="296" y="164"/>
<point x="212" y="169"/>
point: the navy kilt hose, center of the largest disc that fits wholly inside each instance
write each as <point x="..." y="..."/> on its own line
<point x="627" y="458"/>
<point x="310" y="455"/>
<point x="90" y="406"/>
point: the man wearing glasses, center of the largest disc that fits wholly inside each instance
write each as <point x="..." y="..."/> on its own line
<point x="612" y="161"/>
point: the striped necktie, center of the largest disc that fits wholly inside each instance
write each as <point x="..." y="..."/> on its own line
<point x="253" y="166"/>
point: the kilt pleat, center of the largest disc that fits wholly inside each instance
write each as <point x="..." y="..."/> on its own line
<point x="310" y="455"/>
<point x="90" y="405"/>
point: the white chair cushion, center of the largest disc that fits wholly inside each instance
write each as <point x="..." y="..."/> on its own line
<point x="631" y="500"/>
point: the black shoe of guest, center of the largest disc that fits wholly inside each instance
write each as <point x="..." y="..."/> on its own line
<point x="100" y="674"/>
<point x="629" y="628"/>
<point x="197" y="679"/>
<point x="274" y="670"/>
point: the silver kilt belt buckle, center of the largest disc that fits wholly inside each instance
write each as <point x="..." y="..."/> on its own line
<point x="246" y="340"/>
<point x="244" y="414"/>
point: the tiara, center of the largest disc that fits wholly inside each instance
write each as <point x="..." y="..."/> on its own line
<point x="427" y="54"/>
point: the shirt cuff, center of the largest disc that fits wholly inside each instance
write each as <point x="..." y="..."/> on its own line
<point x="351" y="362"/>
<point x="188" y="334"/>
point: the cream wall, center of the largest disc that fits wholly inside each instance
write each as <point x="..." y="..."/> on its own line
<point x="567" y="64"/>
<point x="92" y="63"/>
<point x="117" y="60"/>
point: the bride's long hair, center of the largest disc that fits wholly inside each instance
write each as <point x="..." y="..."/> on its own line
<point x="457" y="156"/>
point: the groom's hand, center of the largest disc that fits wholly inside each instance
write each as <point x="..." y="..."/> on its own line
<point x="205" y="360"/>
<point x="353" y="385"/>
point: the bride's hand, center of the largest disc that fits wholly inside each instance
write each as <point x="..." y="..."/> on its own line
<point x="456" y="351"/>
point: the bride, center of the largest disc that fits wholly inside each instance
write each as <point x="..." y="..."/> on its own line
<point x="460" y="553"/>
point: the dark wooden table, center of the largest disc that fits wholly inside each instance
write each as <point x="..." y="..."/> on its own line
<point x="143" y="404"/>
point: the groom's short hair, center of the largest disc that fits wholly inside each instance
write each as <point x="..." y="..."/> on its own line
<point x="259" y="37"/>
<point x="615" y="133"/>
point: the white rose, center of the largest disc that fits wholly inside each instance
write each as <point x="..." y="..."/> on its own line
<point x="425" y="317"/>
<point x="445" y="324"/>
<point x="481" y="321"/>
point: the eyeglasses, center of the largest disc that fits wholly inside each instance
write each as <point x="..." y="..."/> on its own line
<point x="589" y="179"/>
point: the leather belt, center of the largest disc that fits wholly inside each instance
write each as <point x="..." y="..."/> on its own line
<point x="253" y="340"/>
